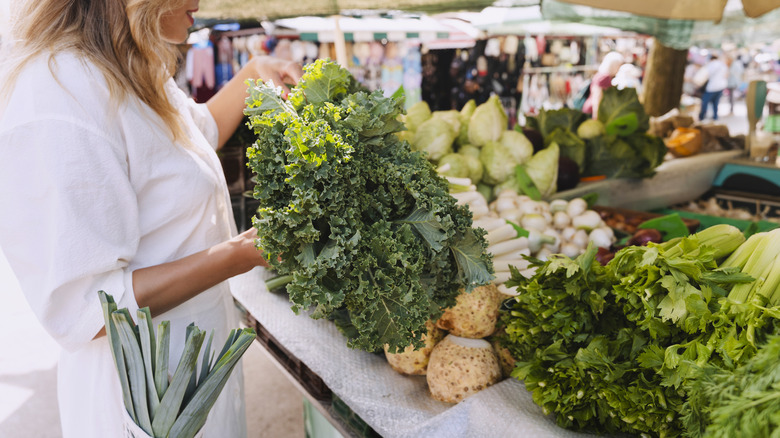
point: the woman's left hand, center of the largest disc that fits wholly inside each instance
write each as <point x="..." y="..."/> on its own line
<point x="281" y="71"/>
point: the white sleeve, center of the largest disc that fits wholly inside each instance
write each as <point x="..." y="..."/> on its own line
<point x="68" y="223"/>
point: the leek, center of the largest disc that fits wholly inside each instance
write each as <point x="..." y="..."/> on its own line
<point x="168" y="409"/>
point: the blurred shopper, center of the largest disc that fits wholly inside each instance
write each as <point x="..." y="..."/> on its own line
<point x="601" y="81"/>
<point x="736" y="73"/>
<point x="717" y="80"/>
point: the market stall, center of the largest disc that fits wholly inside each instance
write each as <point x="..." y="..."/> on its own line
<point x="611" y="357"/>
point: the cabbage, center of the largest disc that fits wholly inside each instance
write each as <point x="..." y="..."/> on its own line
<point x="469" y="150"/>
<point x="500" y="157"/>
<point x="488" y="122"/>
<point x="452" y="117"/>
<point x="434" y="136"/>
<point x="459" y="167"/>
<point x="416" y="115"/>
<point x="590" y="128"/>
<point x="465" y="116"/>
<point x="476" y="170"/>
<point x="542" y="168"/>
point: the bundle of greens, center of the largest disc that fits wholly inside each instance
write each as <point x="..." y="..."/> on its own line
<point x="363" y="228"/>
<point x="168" y="409"/>
<point x="612" y="348"/>
<point x="616" y="144"/>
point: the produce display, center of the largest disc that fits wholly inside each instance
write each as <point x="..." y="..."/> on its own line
<point x="670" y="339"/>
<point x="360" y="228"/>
<point x="475" y="143"/>
<point x="517" y="226"/>
<point x="615" y="145"/>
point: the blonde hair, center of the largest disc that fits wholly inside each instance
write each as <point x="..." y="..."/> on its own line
<point x="121" y="37"/>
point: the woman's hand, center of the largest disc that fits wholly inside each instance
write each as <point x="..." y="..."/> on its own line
<point x="280" y="71"/>
<point x="247" y="253"/>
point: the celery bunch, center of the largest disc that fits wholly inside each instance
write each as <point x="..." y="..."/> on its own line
<point x="177" y="408"/>
<point x="758" y="257"/>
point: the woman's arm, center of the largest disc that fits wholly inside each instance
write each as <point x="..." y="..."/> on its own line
<point x="165" y="286"/>
<point x="227" y="106"/>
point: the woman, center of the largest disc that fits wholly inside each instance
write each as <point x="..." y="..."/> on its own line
<point x="717" y="81"/>
<point x="110" y="181"/>
<point x="601" y="81"/>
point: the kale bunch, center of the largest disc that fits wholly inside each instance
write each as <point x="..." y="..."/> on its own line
<point x="363" y="226"/>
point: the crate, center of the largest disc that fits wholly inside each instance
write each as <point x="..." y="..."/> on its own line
<point x="625" y="220"/>
<point x="310" y="381"/>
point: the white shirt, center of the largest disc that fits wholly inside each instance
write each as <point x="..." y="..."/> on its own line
<point x="718" y="75"/>
<point x="91" y="190"/>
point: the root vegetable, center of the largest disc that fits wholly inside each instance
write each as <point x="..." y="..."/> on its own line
<point x="580" y="239"/>
<point x="502" y="265"/>
<point x="505" y="359"/>
<point x="557" y="205"/>
<point x="500" y="234"/>
<point x="561" y="220"/>
<point x="502" y="277"/>
<point x="508" y="246"/>
<point x="570" y="250"/>
<point x="474" y="314"/>
<point x="461" y="367"/>
<point x="587" y="221"/>
<point x="415" y="362"/>
<point x="488" y="223"/>
<point x="534" y="221"/>
<point x="576" y="207"/>
<point x="600" y="238"/>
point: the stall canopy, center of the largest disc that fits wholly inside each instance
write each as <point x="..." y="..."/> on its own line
<point x="528" y="20"/>
<point x="376" y="28"/>
<point x="733" y="24"/>
<point x="274" y="9"/>
<point x="681" y="9"/>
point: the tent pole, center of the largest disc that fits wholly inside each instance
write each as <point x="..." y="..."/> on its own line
<point x="340" y="43"/>
<point x="663" y="81"/>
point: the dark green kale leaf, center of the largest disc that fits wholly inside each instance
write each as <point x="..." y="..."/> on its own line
<point x="365" y="227"/>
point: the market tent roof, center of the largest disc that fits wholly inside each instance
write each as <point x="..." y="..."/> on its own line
<point x="274" y="9"/>
<point x="435" y="33"/>
<point x="735" y="26"/>
<point x="681" y="9"/>
<point x="529" y="20"/>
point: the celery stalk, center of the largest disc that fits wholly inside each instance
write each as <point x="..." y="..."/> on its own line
<point x="771" y="287"/>
<point x="740" y="256"/>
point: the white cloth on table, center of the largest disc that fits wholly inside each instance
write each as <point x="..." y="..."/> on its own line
<point x="90" y="191"/>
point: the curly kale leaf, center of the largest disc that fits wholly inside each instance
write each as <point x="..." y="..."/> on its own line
<point x="364" y="226"/>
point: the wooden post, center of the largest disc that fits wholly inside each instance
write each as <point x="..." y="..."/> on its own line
<point x="663" y="82"/>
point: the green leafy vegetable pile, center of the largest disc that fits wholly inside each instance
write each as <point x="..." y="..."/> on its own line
<point x="364" y="226"/>
<point x="643" y="344"/>
<point x="615" y="145"/>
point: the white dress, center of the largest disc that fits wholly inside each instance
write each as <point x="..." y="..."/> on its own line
<point x="90" y="191"/>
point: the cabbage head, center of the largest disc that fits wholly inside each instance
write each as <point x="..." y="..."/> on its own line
<point x="590" y="128"/>
<point x="459" y="167"/>
<point x="542" y="168"/>
<point x="464" y="116"/>
<point x="416" y="115"/>
<point x="452" y="117"/>
<point x="500" y="158"/>
<point x="488" y="122"/>
<point x="434" y="136"/>
<point x="468" y="149"/>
